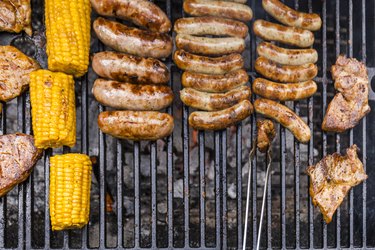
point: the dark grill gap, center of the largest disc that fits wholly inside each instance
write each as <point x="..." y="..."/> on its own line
<point x="291" y="221"/>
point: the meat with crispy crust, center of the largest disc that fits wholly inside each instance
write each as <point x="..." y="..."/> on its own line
<point x="15" y="16"/>
<point x="266" y="134"/>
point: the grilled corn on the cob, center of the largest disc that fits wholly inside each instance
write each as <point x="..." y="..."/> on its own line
<point x="70" y="182"/>
<point x="53" y="109"/>
<point x="68" y="35"/>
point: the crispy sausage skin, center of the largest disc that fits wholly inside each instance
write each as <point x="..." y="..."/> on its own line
<point x="285" y="73"/>
<point x="207" y="65"/>
<point x="210" y="46"/>
<point x="282" y="91"/>
<point x="287" y="56"/>
<point x="214" y="83"/>
<point x="128" y="68"/>
<point x="132" y="40"/>
<point x="224" y="9"/>
<point x="141" y="12"/>
<point x="290" y="17"/>
<point x="285" y="117"/>
<point x="217" y="120"/>
<point x="136" y="125"/>
<point x="214" y="101"/>
<point x="132" y="96"/>
<point x="279" y="33"/>
<point x="209" y="25"/>
<point x="265" y="134"/>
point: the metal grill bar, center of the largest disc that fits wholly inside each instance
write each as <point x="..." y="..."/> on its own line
<point x="217" y="189"/>
<point x="202" y="187"/>
<point x="153" y="194"/>
<point x="137" y="203"/>
<point x="170" y="159"/>
<point x="224" y="188"/>
<point x="239" y="186"/>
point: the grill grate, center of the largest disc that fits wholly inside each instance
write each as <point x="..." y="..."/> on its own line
<point x="204" y="209"/>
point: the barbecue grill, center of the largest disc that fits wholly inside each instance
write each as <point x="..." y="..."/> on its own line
<point x="187" y="193"/>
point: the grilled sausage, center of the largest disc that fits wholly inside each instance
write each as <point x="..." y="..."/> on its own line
<point x="210" y="46"/>
<point x="214" y="83"/>
<point x="128" y="68"/>
<point x="217" y="120"/>
<point x="265" y="134"/>
<point x="290" y="17"/>
<point x="224" y="9"/>
<point x="136" y="125"/>
<point x="285" y="73"/>
<point x="287" y="56"/>
<point x="285" y="117"/>
<point x="209" y="25"/>
<point x="207" y="65"/>
<point x="141" y="12"/>
<point x="132" y="40"/>
<point x="280" y="33"/>
<point x="282" y="91"/>
<point x="214" y="101"/>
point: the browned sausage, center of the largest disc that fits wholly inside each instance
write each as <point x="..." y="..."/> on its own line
<point x="141" y="12"/>
<point x="282" y="91"/>
<point x="132" y="40"/>
<point x="128" y="68"/>
<point x="285" y="73"/>
<point x="265" y="134"/>
<point x="209" y="25"/>
<point x="231" y="10"/>
<point x="287" y="56"/>
<point x="280" y="33"/>
<point x="207" y="65"/>
<point x="210" y="46"/>
<point x="285" y="117"/>
<point x="291" y="17"/>
<point x="214" y="101"/>
<point x="217" y="120"/>
<point x="132" y="96"/>
<point x="136" y="125"/>
<point x="214" y="83"/>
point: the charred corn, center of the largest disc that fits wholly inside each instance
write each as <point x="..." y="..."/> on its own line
<point x="69" y="191"/>
<point x="68" y="35"/>
<point x="53" y="109"/>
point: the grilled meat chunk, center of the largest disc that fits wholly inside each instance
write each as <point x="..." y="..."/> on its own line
<point x="14" y="72"/>
<point x="266" y="134"/>
<point x="350" y="105"/>
<point x="18" y="156"/>
<point x="332" y="178"/>
<point x="15" y="16"/>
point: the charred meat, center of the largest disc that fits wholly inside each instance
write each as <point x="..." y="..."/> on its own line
<point x="15" y="16"/>
<point x="266" y="134"/>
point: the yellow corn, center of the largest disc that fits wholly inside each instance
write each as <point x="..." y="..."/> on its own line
<point x="69" y="191"/>
<point x="53" y="109"/>
<point x="68" y="35"/>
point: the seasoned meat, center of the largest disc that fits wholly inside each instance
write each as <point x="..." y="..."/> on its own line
<point x="15" y="16"/>
<point x="18" y="156"/>
<point x="266" y="134"/>
<point x="350" y="105"/>
<point x="332" y="178"/>
<point x="14" y="72"/>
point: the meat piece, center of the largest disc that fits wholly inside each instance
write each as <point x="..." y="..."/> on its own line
<point x="14" y="72"/>
<point x="15" y="16"/>
<point x="350" y="105"/>
<point x="266" y="134"/>
<point x="18" y="156"/>
<point x="332" y="178"/>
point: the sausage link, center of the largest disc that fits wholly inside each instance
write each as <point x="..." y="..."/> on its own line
<point x="132" y="96"/>
<point x="214" y="101"/>
<point x="291" y="17"/>
<point x="128" y="68"/>
<point x="209" y="25"/>
<point x="136" y="125"/>
<point x="132" y="40"/>
<point x="224" y="9"/>
<point x="280" y="33"/>
<point x="207" y="65"/>
<point x="285" y="117"/>
<point x="287" y="56"/>
<point x="282" y="91"/>
<point x="214" y="83"/>
<point x="285" y="73"/>
<point x="141" y="12"/>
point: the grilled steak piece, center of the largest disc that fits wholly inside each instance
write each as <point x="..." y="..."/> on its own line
<point x="332" y="178"/>
<point x="266" y="134"/>
<point x="15" y="68"/>
<point x="350" y="105"/>
<point x="15" y="16"/>
<point x="18" y="155"/>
